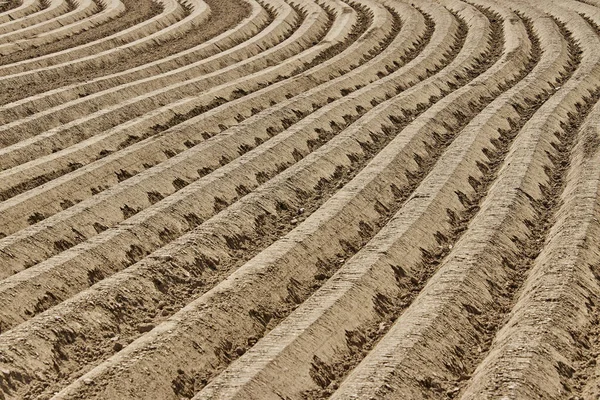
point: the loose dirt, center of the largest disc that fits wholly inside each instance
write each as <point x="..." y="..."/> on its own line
<point x="366" y="199"/>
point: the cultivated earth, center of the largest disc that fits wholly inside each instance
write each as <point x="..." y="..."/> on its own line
<point x="299" y="199"/>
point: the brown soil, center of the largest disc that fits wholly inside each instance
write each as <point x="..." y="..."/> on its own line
<point x="225" y="15"/>
<point x="425" y="230"/>
<point x="9" y="5"/>
<point x="136" y="12"/>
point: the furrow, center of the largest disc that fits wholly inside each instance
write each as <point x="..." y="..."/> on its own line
<point x="316" y="346"/>
<point x="229" y="113"/>
<point x="224" y="220"/>
<point x="245" y="139"/>
<point x="9" y="5"/>
<point x="299" y="245"/>
<point x="174" y="19"/>
<point x="26" y="7"/>
<point x="252" y="169"/>
<point x="450" y="322"/>
<point x="83" y="9"/>
<point x="550" y="356"/>
<point x="35" y="173"/>
<point x="299" y="199"/>
<point x="53" y="9"/>
<point x="135" y="13"/>
<point x="138" y="99"/>
<point x="562" y="288"/>
<point x="208" y="41"/>
<point x="74" y="213"/>
<point x="143" y="10"/>
<point x="67" y="27"/>
<point x="176" y="97"/>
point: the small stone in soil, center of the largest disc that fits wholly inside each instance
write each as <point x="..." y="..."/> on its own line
<point x="452" y="391"/>
<point x="143" y="328"/>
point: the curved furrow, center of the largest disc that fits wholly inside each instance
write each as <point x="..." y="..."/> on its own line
<point x="47" y="11"/>
<point x="299" y="199"/>
<point x="26" y="7"/>
<point x="537" y="312"/>
<point x="310" y="351"/>
<point x="110" y="170"/>
<point x="275" y="71"/>
<point x="9" y="5"/>
<point x="593" y="3"/>
<point x="234" y="44"/>
<point x="304" y="137"/>
<point x="450" y="323"/>
<point x="136" y="12"/>
<point x="562" y="292"/>
<point x="95" y="111"/>
<point x="79" y="10"/>
<point x="215" y="225"/>
<point x="292" y="247"/>
<point x="405" y="45"/>
<point x="173" y="20"/>
<point x="32" y="174"/>
<point x="159" y="179"/>
<point x="563" y="288"/>
<point x="172" y="99"/>
<point x="207" y="154"/>
<point x="110" y="108"/>
<point x="69" y="214"/>
<point x="147" y="153"/>
<point x="95" y="14"/>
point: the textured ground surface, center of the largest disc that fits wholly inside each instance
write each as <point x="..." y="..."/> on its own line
<point x="275" y="199"/>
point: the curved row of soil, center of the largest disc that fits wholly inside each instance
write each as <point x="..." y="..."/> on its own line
<point x="303" y="199"/>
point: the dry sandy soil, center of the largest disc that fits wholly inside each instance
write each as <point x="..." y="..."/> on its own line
<point x="275" y="199"/>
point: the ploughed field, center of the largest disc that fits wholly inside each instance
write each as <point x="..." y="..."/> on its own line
<point x="299" y="199"/>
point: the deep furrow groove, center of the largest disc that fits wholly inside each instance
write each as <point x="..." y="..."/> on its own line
<point x="324" y="137"/>
<point x="299" y="199"/>
<point x="463" y="269"/>
<point x="442" y="364"/>
<point x="172" y="150"/>
<point x="225" y="353"/>
<point x="295" y="295"/>
<point x="133" y="16"/>
<point x="65" y="243"/>
<point x="57" y="172"/>
<point x="577" y="377"/>
<point x="121" y="175"/>
<point x="8" y="5"/>
<point x="362" y="340"/>
<point x="537" y="250"/>
<point x="47" y="134"/>
<point x="520" y="264"/>
<point x="245" y="240"/>
<point x="161" y="239"/>
<point x="196" y="36"/>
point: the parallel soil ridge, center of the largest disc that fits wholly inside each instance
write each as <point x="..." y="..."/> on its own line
<point x="299" y="199"/>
